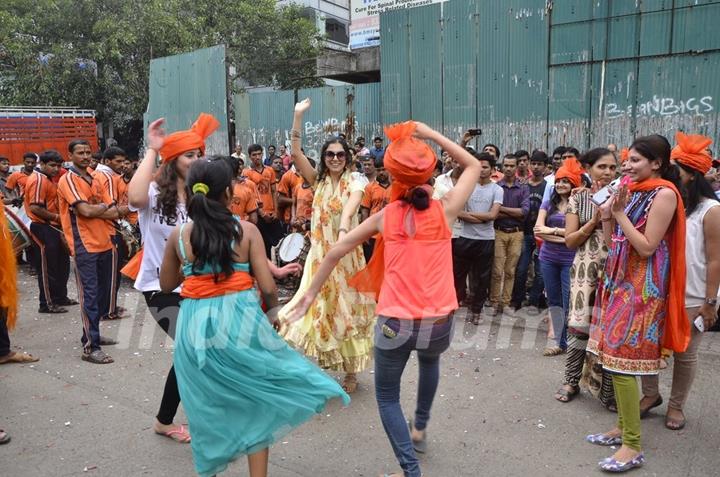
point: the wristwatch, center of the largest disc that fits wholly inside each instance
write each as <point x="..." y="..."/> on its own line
<point x="711" y="301"/>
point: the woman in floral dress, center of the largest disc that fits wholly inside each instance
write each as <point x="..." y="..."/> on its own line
<point x="640" y="304"/>
<point x="337" y="329"/>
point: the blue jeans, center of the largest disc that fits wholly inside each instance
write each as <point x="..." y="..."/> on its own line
<point x="528" y="255"/>
<point x="394" y="341"/>
<point x="557" y="287"/>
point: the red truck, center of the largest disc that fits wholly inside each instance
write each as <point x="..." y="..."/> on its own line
<point x="30" y="129"/>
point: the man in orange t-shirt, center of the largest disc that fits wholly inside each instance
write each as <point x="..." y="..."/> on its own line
<point x="83" y="215"/>
<point x="287" y="184"/>
<point x="18" y="179"/>
<point x="52" y="262"/>
<point x="123" y="185"/>
<point x="376" y="197"/>
<point x="244" y="202"/>
<point x="264" y="178"/>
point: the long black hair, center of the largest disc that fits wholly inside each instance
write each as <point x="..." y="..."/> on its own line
<point x="323" y="169"/>
<point x="657" y="148"/>
<point x="167" y="199"/>
<point x="589" y="158"/>
<point x="214" y="227"/>
<point x="695" y="190"/>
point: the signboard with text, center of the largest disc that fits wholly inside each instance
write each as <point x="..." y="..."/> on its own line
<point x="365" y="18"/>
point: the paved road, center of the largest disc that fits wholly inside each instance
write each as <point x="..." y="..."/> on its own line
<point x="494" y="414"/>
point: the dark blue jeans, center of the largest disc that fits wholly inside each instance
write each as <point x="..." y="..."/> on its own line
<point x="557" y="287"/>
<point x="528" y="255"/>
<point x="394" y="341"/>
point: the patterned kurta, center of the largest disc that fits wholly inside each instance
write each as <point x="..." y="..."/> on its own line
<point x="588" y="265"/>
<point x="629" y="321"/>
<point x="338" y="327"/>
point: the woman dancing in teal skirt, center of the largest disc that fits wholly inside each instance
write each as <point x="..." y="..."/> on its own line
<point x="242" y="386"/>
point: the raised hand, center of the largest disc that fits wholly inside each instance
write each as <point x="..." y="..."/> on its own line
<point x="303" y="106"/>
<point x="156" y="134"/>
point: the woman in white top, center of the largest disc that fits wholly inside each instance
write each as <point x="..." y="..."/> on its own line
<point x="702" y="256"/>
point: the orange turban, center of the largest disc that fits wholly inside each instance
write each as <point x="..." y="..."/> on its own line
<point x="409" y="160"/>
<point x="691" y="151"/>
<point x="570" y="170"/>
<point x="194" y="138"/>
<point x="624" y="154"/>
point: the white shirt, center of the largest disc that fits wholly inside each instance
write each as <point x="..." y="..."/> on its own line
<point x="695" y="258"/>
<point x="155" y="231"/>
<point x="443" y="185"/>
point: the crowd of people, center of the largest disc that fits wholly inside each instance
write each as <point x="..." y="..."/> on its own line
<point x="617" y="245"/>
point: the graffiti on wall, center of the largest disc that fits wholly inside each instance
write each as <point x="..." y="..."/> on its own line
<point x="663" y="106"/>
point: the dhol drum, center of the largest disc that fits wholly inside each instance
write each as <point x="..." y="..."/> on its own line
<point x="293" y="248"/>
<point x="19" y="224"/>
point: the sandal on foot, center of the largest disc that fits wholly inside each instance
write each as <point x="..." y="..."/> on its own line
<point x="350" y="384"/>
<point x="97" y="357"/>
<point x="21" y="357"/>
<point x="553" y="351"/>
<point x="603" y="440"/>
<point x="564" y="395"/>
<point x="4" y="437"/>
<point x="52" y="309"/>
<point x="612" y="465"/>
<point x="421" y="445"/>
<point x="675" y="424"/>
<point x="67" y="302"/>
<point x="179" y="434"/>
<point x="644" y="412"/>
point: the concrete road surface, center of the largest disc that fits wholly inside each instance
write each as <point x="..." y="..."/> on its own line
<point x="494" y="414"/>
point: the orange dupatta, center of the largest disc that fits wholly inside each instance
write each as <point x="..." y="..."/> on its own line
<point x="8" y="271"/>
<point x="677" y="329"/>
<point x="205" y="286"/>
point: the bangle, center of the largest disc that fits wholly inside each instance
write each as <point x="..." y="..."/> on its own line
<point x="342" y="229"/>
<point x="554" y="231"/>
<point x="606" y="219"/>
<point x="294" y="133"/>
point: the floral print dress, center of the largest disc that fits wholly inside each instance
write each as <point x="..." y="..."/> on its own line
<point x="629" y="317"/>
<point x="337" y="330"/>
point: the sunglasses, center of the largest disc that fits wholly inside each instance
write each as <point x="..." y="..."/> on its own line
<point x="341" y="156"/>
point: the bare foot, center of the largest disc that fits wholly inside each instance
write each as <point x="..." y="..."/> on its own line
<point x="616" y="432"/>
<point x="625" y="454"/>
<point x="176" y="432"/>
<point x="417" y="435"/>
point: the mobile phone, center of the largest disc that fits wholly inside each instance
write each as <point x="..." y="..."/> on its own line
<point x="475" y="132"/>
<point x="700" y="324"/>
<point x="601" y="196"/>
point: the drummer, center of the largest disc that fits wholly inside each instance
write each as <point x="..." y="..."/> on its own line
<point x="52" y="262"/>
<point x="106" y="175"/>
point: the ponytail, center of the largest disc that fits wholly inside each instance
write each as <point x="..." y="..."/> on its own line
<point x="419" y="197"/>
<point x="215" y="230"/>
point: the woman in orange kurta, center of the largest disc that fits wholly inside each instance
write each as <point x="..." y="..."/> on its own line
<point x="410" y="275"/>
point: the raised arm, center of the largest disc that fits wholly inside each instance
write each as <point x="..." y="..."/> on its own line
<point x="351" y="208"/>
<point x="140" y="183"/>
<point x="301" y="162"/>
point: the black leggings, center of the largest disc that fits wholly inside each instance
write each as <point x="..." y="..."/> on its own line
<point x="165" y="307"/>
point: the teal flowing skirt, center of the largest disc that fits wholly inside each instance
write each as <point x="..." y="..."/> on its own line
<point x="241" y="385"/>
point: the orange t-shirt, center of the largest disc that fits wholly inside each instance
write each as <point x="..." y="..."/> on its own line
<point x="303" y="195"/>
<point x="105" y="185"/>
<point x="92" y="232"/>
<point x="40" y="190"/>
<point x="264" y="181"/>
<point x="244" y="201"/>
<point x="122" y="188"/>
<point x="287" y="184"/>
<point x="376" y="197"/>
<point x="17" y="179"/>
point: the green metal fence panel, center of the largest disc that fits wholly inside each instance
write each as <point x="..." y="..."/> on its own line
<point x="459" y="64"/>
<point x="655" y="30"/>
<point x="395" y="66"/>
<point x="623" y="35"/>
<point x="570" y="43"/>
<point x="695" y="29"/>
<point x="366" y="106"/>
<point x="569" y="11"/>
<point x="270" y="114"/>
<point x="425" y="31"/>
<point x="183" y="86"/>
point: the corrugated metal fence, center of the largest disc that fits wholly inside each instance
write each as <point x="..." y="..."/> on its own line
<point x="530" y="73"/>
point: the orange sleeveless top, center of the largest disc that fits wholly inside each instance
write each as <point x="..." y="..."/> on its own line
<point x="418" y="276"/>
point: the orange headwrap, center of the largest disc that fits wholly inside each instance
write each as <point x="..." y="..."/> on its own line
<point x="409" y="160"/>
<point x="691" y="151"/>
<point x="194" y="138"/>
<point x="572" y="171"/>
<point x="8" y="271"/>
<point x="624" y="154"/>
<point x="677" y="327"/>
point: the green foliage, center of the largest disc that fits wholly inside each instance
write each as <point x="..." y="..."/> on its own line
<point x="96" y="53"/>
